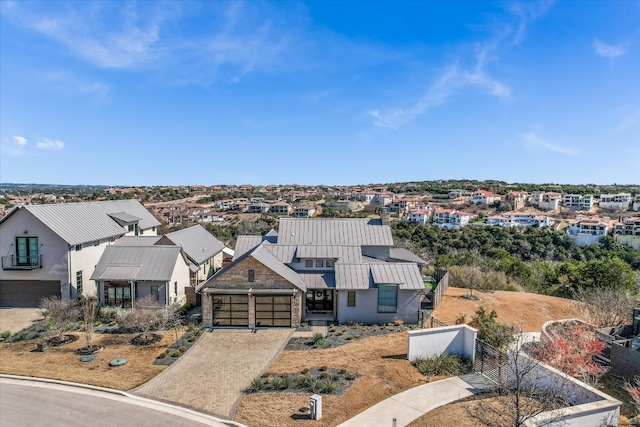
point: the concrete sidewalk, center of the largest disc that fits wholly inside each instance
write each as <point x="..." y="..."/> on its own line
<point x="412" y="404"/>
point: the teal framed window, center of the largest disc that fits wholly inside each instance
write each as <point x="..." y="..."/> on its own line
<point x="387" y="298"/>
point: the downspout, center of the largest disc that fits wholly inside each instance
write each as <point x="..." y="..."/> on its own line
<point x="132" y="283"/>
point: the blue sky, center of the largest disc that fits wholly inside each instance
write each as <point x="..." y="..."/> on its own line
<point x="323" y="92"/>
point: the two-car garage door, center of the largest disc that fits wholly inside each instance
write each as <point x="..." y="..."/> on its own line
<point x="26" y="293"/>
<point x="270" y="310"/>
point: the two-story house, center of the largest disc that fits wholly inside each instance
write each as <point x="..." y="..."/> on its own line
<point x="52" y="249"/>
<point x="519" y="219"/>
<point x="319" y="269"/>
<point x="615" y="202"/>
<point x="451" y="218"/>
<point x="578" y="202"/>
<point x="588" y="230"/>
<point x="483" y="197"/>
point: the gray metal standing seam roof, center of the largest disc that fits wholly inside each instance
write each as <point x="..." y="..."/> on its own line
<point x="244" y="244"/>
<point x="403" y="254"/>
<point x="334" y="231"/>
<point x="406" y="275"/>
<point x="197" y="243"/>
<point x="325" y="280"/>
<point x="345" y="253"/>
<point x="78" y="223"/>
<point x="353" y="276"/>
<point x="144" y="263"/>
<point x="137" y="241"/>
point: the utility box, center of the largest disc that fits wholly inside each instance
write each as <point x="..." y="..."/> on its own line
<point x="315" y="405"/>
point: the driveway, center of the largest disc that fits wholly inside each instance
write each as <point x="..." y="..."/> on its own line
<point x="212" y="375"/>
<point x="16" y="319"/>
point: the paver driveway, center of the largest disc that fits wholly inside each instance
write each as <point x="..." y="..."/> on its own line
<point x="211" y="376"/>
<point x="16" y="319"/>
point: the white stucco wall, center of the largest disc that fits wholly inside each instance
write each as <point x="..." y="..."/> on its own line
<point x="85" y="260"/>
<point x="583" y="240"/>
<point x="366" y="308"/>
<point x="458" y="339"/>
<point x="143" y="289"/>
<point x="180" y="275"/>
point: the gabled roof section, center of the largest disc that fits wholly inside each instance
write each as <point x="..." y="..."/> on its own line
<point x="405" y="275"/>
<point x="125" y="218"/>
<point x="271" y="236"/>
<point x="245" y="244"/>
<point x="144" y="263"/>
<point x="347" y="253"/>
<point x="286" y="254"/>
<point x="137" y="240"/>
<point x="197" y="243"/>
<point x="326" y="280"/>
<point x="333" y="231"/>
<point x="353" y="276"/>
<point x="402" y="254"/>
<point x="78" y="223"/>
<point x="262" y="255"/>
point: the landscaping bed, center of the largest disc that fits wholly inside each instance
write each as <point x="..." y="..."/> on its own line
<point x="180" y="346"/>
<point x="321" y="380"/>
<point x="342" y="334"/>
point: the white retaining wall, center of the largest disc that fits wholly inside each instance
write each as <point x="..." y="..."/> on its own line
<point x="458" y="339"/>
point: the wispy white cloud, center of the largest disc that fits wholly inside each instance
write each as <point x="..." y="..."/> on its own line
<point x="50" y="144"/>
<point x="608" y="51"/>
<point x="20" y="140"/>
<point x="456" y="77"/>
<point x="533" y="140"/>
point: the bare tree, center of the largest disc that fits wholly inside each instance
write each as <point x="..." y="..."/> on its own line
<point x="89" y="307"/>
<point x="605" y="306"/>
<point x="147" y="316"/>
<point x="59" y="314"/>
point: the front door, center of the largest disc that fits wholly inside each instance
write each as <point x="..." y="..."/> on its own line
<point x="320" y="300"/>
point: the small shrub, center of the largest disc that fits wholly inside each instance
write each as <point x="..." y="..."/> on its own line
<point x="176" y="353"/>
<point x="300" y="379"/>
<point x="113" y="323"/>
<point x="5" y="335"/>
<point x="325" y="386"/>
<point x="351" y="322"/>
<point x="323" y="368"/>
<point x="281" y="383"/>
<point x="349" y="338"/>
<point x="256" y="385"/>
<point x="162" y="355"/>
<point x="351" y="376"/>
<point x="398" y="322"/>
<point x="324" y="375"/>
<point x="310" y="382"/>
<point x="192" y="338"/>
<point x="305" y="370"/>
<point x="182" y="349"/>
<point x="97" y="323"/>
<point x="21" y="336"/>
<point x="332" y="328"/>
<point x="318" y="339"/>
<point x="461" y="319"/>
<point x="343" y="371"/>
<point x="443" y="364"/>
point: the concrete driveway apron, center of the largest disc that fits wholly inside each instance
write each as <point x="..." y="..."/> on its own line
<point x="212" y="375"/>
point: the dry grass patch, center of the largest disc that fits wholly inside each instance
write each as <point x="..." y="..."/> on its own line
<point x="381" y="360"/>
<point x="512" y="307"/>
<point x="61" y="363"/>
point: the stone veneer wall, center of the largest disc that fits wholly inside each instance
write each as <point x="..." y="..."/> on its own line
<point x="237" y="277"/>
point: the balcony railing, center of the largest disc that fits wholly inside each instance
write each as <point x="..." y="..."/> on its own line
<point x="11" y="262"/>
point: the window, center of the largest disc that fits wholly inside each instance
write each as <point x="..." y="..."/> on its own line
<point x="78" y="247"/>
<point x="79" y="282"/>
<point x="153" y="229"/>
<point x="155" y="293"/>
<point x="252" y="275"/>
<point x="387" y="298"/>
<point x="329" y="263"/>
<point x="118" y="295"/>
<point x="351" y="298"/>
<point x="319" y="263"/>
<point x="27" y="250"/>
<point x="175" y="288"/>
<point x="130" y="227"/>
<point x="308" y="263"/>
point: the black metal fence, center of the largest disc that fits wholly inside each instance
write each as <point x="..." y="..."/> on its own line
<point x="492" y="363"/>
<point x="427" y="321"/>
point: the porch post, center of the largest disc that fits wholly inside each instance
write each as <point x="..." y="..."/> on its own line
<point x="133" y="294"/>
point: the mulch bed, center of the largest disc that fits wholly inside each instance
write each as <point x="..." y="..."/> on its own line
<point x="146" y="339"/>
<point x="84" y="351"/>
<point x="66" y="339"/>
<point x="343" y="334"/>
<point x="178" y="348"/>
<point x="321" y="380"/>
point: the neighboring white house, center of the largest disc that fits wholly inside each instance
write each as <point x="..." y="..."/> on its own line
<point x="549" y="201"/>
<point x="636" y="203"/>
<point x="588" y="230"/>
<point x="258" y="208"/>
<point x="578" y="202"/>
<point x="383" y="199"/>
<point x="304" y="212"/>
<point x="519" y="219"/>
<point x="627" y="232"/>
<point x="419" y="216"/>
<point x="319" y="269"/>
<point x="53" y="249"/>
<point x="615" y="202"/>
<point x="454" y="194"/>
<point x="203" y="250"/>
<point x="280" y="208"/>
<point x="483" y="197"/>
<point x="451" y="218"/>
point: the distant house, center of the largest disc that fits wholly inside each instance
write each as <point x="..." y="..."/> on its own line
<point x="578" y="202"/>
<point x="628" y="227"/>
<point x="588" y="230"/>
<point x="546" y="201"/>
<point x="615" y="202"/>
<point x="454" y="194"/>
<point x="53" y="249"/>
<point x="519" y="219"/>
<point x="419" y="216"/>
<point x="636" y="203"/>
<point x="518" y="199"/>
<point x="383" y="199"/>
<point x="258" y="208"/>
<point x="304" y="212"/>
<point x="482" y="197"/>
<point x="451" y="218"/>
<point x="319" y="269"/>
<point x="280" y="208"/>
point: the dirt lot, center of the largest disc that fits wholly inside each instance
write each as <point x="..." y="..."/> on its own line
<point x="512" y="307"/>
<point x="381" y="360"/>
<point x="62" y="363"/>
